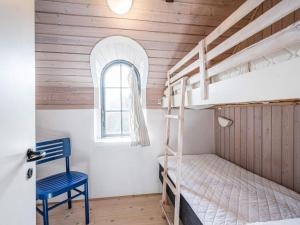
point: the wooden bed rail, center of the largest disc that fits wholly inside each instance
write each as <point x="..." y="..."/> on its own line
<point x="185" y="59"/>
<point x="236" y="16"/>
<point x="277" y="41"/>
<point x="274" y="14"/>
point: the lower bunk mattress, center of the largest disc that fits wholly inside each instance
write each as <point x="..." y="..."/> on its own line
<point x="216" y="191"/>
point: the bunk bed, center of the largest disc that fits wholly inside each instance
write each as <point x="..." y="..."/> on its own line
<point x="207" y="189"/>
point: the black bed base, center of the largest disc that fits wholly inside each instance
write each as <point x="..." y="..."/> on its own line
<point x="187" y="215"/>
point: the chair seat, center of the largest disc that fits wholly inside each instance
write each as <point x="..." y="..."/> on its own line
<point x="57" y="184"/>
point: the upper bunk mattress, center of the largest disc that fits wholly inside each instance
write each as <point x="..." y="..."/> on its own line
<point x="221" y="192"/>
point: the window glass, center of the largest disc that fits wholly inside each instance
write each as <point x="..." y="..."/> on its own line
<point x="125" y="98"/>
<point x="112" y="76"/>
<point x="125" y="75"/>
<point x="112" y="122"/>
<point x="112" y="99"/>
<point x="115" y="97"/>
<point x="125" y="121"/>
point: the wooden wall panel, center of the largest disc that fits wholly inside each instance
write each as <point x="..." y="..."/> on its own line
<point x="217" y="133"/>
<point x="266" y="140"/>
<point x="243" y="137"/>
<point x="276" y="143"/>
<point x="65" y="97"/>
<point x="231" y="136"/>
<point x="67" y="31"/>
<point x="250" y="138"/>
<point x="237" y="135"/>
<point x="257" y="140"/>
<point x="222" y="133"/>
<point x="227" y="137"/>
<point x="297" y="149"/>
<point x="288" y="146"/>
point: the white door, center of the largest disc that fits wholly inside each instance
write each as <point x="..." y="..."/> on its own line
<point x="17" y="111"/>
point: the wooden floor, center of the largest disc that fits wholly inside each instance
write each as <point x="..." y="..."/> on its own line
<point x="133" y="210"/>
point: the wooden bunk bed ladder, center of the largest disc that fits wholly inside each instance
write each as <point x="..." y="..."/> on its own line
<point x="169" y="150"/>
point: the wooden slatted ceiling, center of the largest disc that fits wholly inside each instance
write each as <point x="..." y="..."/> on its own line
<point x="67" y="30"/>
<point x="263" y="139"/>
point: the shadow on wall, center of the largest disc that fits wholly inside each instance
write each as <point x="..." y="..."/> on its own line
<point x="79" y="160"/>
<point x="198" y="136"/>
<point x="46" y="134"/>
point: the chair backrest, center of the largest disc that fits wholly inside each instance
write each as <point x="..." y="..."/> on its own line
<point x="55" y="149"/>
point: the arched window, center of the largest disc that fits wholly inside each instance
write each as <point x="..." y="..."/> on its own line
<point x="109" y="51"/>
<point x="115" y="91"/>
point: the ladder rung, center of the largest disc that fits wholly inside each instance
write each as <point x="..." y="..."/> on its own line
<point x="170" y="184"/>
<point x="171" y="150"/>
<point x="169" y="116"/>
<point x="165" y="213"/>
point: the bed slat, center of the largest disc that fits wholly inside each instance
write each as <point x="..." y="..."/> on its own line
<point x="185" y="71"/>
<point x="184" y="60"/>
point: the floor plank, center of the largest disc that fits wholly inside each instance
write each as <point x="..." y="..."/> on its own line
<point x="131" y="210"/>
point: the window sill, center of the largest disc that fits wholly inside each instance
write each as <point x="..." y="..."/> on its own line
<point x="113" y="140"/>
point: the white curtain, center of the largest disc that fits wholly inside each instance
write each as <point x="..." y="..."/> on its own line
<point x="138" y="128"/>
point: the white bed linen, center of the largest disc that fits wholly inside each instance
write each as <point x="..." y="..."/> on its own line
<point x="279" y="222"/>
<point x="221" y="192"/>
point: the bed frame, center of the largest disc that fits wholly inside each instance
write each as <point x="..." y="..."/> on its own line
<point x="190" y="82"/>
<point x="255" y="86"/>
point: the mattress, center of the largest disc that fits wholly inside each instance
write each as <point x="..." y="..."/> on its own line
<point x="187" y="215"/>
<point x="220" y="192"/>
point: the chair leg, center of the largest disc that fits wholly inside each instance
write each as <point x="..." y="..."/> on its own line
<point x="69" y="200"/>
<point x="45" y="212"/>
<point x="86" y="202"/>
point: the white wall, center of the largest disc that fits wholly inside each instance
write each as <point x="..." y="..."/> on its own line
<point x="117" y="169"/>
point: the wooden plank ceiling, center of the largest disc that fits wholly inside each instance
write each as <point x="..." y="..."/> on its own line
<point x="67" y="31"/>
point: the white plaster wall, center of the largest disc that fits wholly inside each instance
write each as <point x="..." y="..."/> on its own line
<point x="117" y="169"/>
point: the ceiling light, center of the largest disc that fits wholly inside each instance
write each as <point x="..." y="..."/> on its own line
<point x="120" y="7"/>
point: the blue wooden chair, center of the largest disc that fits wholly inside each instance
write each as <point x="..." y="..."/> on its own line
<point x="58" y="184"/>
